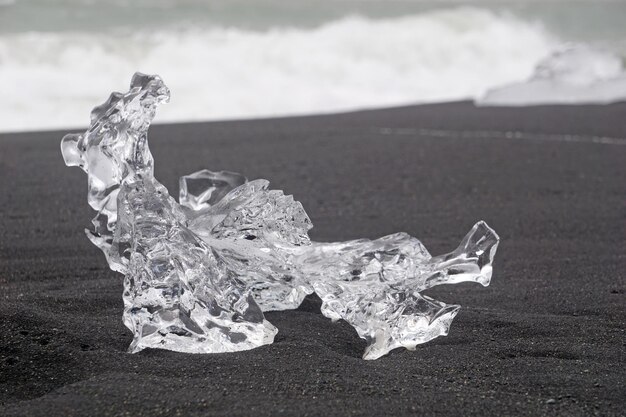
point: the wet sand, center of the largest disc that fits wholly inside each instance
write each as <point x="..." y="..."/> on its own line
<point x="546" y="338"/>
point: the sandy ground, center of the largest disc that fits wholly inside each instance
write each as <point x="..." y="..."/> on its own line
<point x="546" y="338"/>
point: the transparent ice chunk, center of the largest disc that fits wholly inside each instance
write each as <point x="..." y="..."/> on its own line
<point x="260" y="230"/>
<point x="178" y="292"/>
<point x="375" y="285"/>
<point x="198" y="274"/>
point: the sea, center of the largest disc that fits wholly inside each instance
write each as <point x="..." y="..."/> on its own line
<point x="233" y="59"/>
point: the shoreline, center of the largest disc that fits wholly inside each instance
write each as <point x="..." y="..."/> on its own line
<point x="565" y="118"/>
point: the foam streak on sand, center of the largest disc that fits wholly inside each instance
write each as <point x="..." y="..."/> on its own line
<point x="349" y="63"/>
<point x="509" y="134"/>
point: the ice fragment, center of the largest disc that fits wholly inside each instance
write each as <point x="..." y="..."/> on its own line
<point x="198" y="274"/>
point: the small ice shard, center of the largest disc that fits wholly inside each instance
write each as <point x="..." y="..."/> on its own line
<point x="205" y="188"/>
<point x="200" y="273"/>
<point x="573" y="75"/>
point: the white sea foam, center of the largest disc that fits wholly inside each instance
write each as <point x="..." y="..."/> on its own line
<point x="573" y="75"/>
<point x="48" y="80"/>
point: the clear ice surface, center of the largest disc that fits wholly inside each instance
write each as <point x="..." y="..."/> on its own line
<point x="199" y="273"/>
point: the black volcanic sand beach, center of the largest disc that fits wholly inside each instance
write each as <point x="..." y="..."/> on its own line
<point x="546" y="338"/>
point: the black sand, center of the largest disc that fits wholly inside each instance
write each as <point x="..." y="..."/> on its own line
<point x="546" y="338"/>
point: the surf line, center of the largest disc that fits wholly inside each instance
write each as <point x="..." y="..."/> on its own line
<point x="503" y="134"/>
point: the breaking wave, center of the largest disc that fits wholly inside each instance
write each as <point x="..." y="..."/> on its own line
<point x="49" y="80"/>
<point x="572" y="75"/>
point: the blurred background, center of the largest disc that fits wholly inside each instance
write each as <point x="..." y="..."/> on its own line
<point x="226" y="59"/>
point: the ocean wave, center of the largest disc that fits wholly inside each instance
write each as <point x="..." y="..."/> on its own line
<point x="576" y="74"/>
<point x="49" y="79"/>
